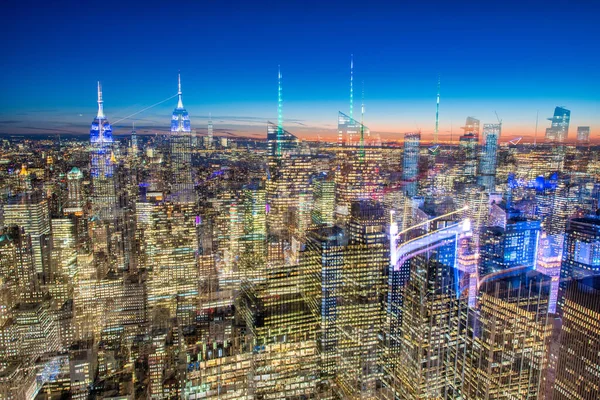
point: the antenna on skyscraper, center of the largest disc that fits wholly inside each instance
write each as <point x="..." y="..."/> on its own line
<point x="180" y="101"/>
<point x="351" y="82"/>
<point x="100" y="103"/>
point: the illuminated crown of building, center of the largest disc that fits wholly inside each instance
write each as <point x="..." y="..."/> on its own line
<point x="101" y="130"/>
<point x="180" y="122"/>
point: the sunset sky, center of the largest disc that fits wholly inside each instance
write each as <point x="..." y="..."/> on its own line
<point x="513" y="58"/>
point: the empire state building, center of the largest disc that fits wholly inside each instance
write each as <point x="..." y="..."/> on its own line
<point x="102" y="164"/>
<point x="182" y="183"/>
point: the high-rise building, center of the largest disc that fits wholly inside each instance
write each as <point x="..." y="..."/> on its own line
<point x="75" y="191"/>
<point x="583" y="134"/>
<point x="578" y="360"/>
<point x="468" y="147"/>
<point x="488" y="156"/>
<point x="169" y="245"/>
<point x="322" y="261"/>
<point x="134" y="142"/>
<point x="559" y="131"/>
<point x="410" y="163"/>
<point x="506" y="338"/>
<point x="323" y="212"/>
<point x="515" y="245"/>
<point x="581" y="252"/>
<point x="360" y="316"/>
<point x="349" y="129"/>
<point x="30" y="211"/>
<point x="429" y="306"/>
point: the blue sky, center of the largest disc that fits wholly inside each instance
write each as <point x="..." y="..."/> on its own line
<point x="511" y="57"/>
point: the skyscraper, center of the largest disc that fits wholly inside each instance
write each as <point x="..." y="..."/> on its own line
<point x="436" y="294"/>
<point x="515" y="245"/>
<point x="506" y="338"/>
<point x="102" y="165"/>
<point x="581" y="252"/>
<point x="583" y="134"/>
<point x="578" y="360"/>
<point x="559" y="130"/>
<point x="30" y="211"/>
<point x="488" y="156"/>
<point x="410" y="163"/>
<point x="468" y="147"/>
<point x="182" y="183"/>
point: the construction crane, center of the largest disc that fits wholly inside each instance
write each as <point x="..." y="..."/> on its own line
<point x="498" y="118"/>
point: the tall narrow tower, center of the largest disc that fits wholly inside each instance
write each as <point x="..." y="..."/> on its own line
<point x="210" y="131"/>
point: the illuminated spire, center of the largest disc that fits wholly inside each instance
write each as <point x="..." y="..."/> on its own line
<point x="100" y="103"/>
<point x="351" y="82"/>
<point x="437" y="114"/>
<point x="179" y="102"/>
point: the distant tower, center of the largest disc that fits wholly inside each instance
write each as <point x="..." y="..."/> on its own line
<point x="583" y="134"/>
<point x="410" y="164"/>
<point x="468" y="145"/>
<point x="559" y="131"/>
<point x="488" y="157"/>
<point x="437" y="114"/>
<point x="210" y="131"/>
<point x="134" y="142"/>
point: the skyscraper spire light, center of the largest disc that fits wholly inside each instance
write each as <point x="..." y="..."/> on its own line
<point x="179" y="102"/>
<point x="180" y="121"/>
<point x="100" y="103"/>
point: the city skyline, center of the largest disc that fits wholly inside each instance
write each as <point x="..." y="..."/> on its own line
<point x="299" y="200"/>
<point x="483" y="70"/>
